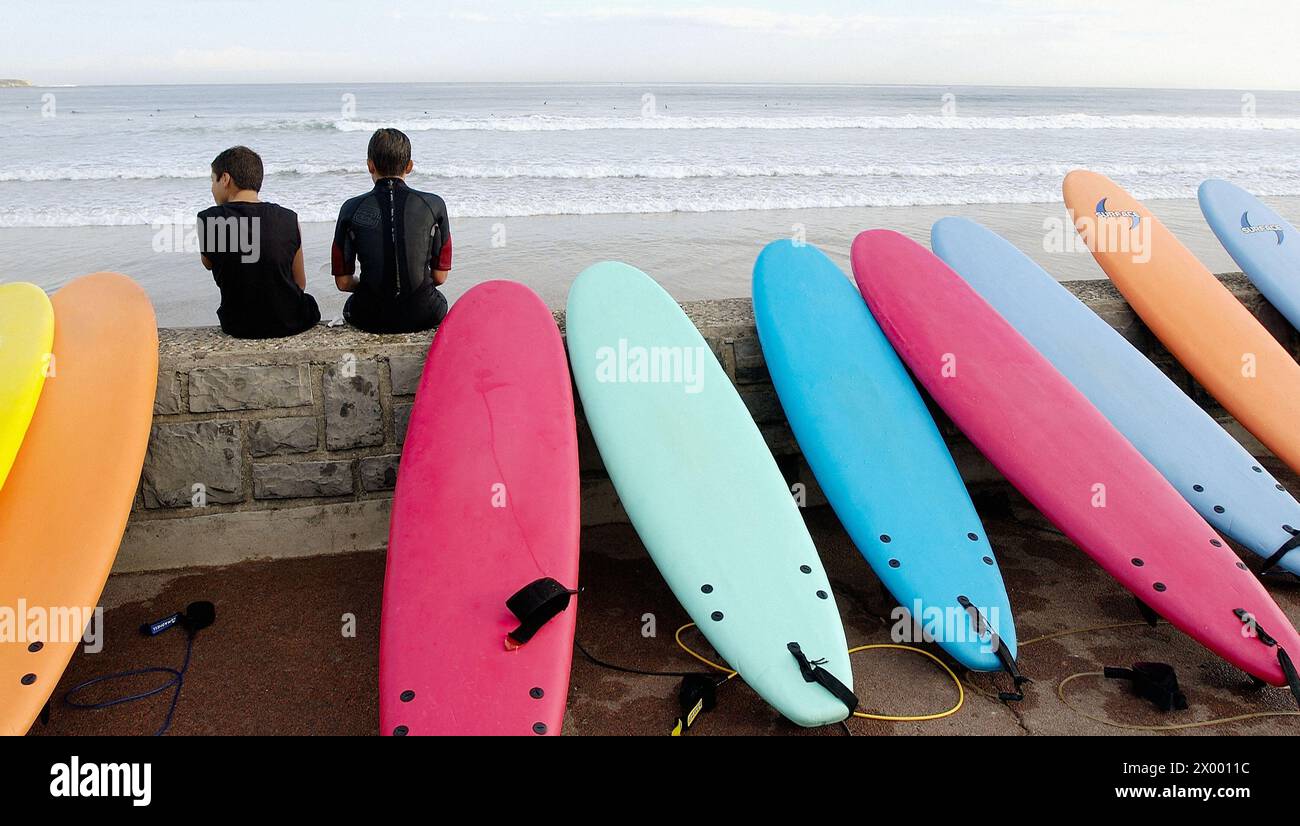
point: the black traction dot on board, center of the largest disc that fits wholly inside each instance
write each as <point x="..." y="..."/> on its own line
<point x="894" y="563"/>
<point x="1138" y="563"/>
<point x="536" y="693"/>
<point x="28" y="679"/>
<point x="716" y="616"/>
<point x="823" y="595"/>
<point x="886" y="538"/>
<point x="1219" y="509"/>
<point x="973" y="537"/>
<point x="1216" y="543"/>
<point x="1279" y="487"/>
<point x="401" y="731"/>
<point x="539" y="728"/>
<point x="1198" y="488"/>
<point x="407" y="696"/>
<point x="988" y="560"/>
<point x="1161" y="587"/>
<point x="706" y="589"/>
<point x="36" y="646"/>
<point x="1257" y="469"/>
<point x="805" y="569"/>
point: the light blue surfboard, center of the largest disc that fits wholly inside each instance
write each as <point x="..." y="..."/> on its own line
<point x="877" y="453"/>
<point x="703" y="491"/>
<point x="1209" y="468"/>
<point x="1263" y="244"/>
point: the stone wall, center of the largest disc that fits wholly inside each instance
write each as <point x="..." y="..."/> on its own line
<point x="291" y="448"/>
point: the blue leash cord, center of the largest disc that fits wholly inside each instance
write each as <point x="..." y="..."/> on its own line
<point x="176" y="681"/>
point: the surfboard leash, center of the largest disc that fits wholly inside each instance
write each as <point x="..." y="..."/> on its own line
<point x="1281" y="553"/>
<point x="196" y="617"/>
<point x="1111" y="673"/>
<point x="698" y="692"/>
<point x="1000" y="650"/>
<point x="1283" y="658"/>
<point x="961" y="694"/>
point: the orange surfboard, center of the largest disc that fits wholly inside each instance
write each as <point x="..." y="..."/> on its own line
<point x="65" y="504"/>
<point x="1206" y="328"/>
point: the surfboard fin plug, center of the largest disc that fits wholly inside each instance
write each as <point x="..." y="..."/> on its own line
<point x="1156" y="682"/>
<point x="1283" y="658"/>
<point x="536" y="604"/>
<point x="814" y="673"/>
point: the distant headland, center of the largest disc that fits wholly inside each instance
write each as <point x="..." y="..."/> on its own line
<point x="10" y="83"/>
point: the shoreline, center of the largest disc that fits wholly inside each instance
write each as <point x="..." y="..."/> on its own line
<point x="695" y="256"/>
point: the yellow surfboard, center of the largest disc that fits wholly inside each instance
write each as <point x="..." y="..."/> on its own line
<point x="26" y="338"/>
<point x="1207" y="329"/>
<point x="70" y="490"/>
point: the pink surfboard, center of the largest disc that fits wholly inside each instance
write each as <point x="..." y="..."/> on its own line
<point x="486" y="503"/>
<point x="1065" y="457"/>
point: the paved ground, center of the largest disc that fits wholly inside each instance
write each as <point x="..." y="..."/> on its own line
<point x="277" y="662"/>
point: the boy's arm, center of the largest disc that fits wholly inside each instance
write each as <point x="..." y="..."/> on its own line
<point x="300" y="265"/>
<point x="442" y="267"/>
<point x="343" y="258"/>
<point x="203" y="256"/>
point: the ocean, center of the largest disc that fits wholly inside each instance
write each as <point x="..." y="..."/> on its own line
<point x="687" y="181"/>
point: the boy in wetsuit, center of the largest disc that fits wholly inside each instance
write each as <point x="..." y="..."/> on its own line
<point x="403" y="239"/>
<point x="254" y="251"/>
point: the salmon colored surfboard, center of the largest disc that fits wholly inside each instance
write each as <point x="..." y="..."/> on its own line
<point x="65" y="505"/>
<point x="1064" y="455"/>
<point x="486" y="503"/>
<point x="26" y="335"/>
<point x="1207" y="329"/>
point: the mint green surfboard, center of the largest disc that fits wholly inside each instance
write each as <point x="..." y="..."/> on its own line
<point x="703" y="491"/>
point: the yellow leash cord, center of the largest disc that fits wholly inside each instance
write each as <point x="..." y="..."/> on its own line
<point x="961" y="693"/>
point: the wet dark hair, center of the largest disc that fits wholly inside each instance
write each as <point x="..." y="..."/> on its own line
<point x="244" y="166"/>
<point x="390" y="152"/>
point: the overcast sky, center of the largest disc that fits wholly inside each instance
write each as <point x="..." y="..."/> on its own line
<point x="1245" y="44"/>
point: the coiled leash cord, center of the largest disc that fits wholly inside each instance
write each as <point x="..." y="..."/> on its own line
<point x="1061" y="693"/>
<point x="197" y="616"/>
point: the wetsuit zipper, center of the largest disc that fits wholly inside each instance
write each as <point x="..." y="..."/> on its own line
<point x="397" y="252"/>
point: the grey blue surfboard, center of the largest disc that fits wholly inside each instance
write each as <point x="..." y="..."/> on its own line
<point x="1226" y="485"/>
<point x="1262" y="242"/>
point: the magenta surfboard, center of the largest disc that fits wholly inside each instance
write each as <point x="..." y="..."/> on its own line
<point x="1066" y="457"/>
<point x="486" y="504"/>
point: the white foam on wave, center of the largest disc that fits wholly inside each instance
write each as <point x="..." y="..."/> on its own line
<point x="544" y="204"/>
<point x="559" y="123"/>
<point x="667" y="171"/>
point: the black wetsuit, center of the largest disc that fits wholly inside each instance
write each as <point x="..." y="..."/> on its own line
<point x="401" y="237"/>
<point x="251" y="247"/>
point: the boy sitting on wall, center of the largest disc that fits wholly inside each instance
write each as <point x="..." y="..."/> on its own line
<point x="254" y="251"/>
<point x="403" y="238"/>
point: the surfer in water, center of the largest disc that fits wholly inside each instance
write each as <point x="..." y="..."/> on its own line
<point x="403" y="240"/>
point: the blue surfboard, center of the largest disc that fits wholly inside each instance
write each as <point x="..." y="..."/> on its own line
<point x="1209" y="468"/>
<point x="877" y="453"/>
<point x="1262" y="243"/>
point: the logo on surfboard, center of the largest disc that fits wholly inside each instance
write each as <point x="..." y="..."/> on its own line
<point x="1102" y="212"/>
<point x="1250" y="229"/>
